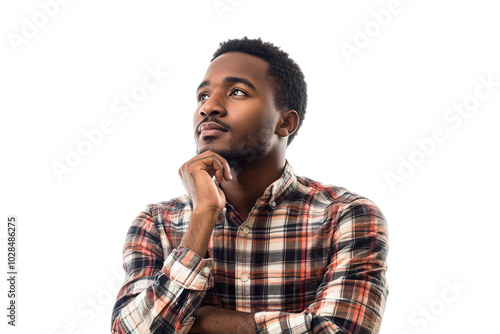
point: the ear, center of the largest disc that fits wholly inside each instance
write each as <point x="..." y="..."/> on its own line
<point x="288" y="123"/>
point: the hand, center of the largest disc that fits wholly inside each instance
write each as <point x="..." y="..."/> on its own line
<point x="197" y="177"/>
<point x="208" y="199"/>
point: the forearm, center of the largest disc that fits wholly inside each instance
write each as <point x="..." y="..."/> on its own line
<point x="184" y="275"/>
<point x="331" y="314"/>
<point x="156" y="281"/>
<point x="199" y="231"/>
<point x="152" y="308"/>
<point x="220" y="321"/>
<point x="181" y="278"/>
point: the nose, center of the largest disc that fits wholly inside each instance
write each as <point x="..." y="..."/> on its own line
<point x="213" y="106"/>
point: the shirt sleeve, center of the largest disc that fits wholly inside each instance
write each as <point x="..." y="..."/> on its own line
<point x="352" y="296"/>
<point x="161" y="292"/>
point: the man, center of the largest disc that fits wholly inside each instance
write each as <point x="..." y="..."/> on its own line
<point x="253" y="247"/>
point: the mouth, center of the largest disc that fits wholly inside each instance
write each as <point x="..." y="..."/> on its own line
<point x="210" y="129"/>
<point x="210" y="132"/>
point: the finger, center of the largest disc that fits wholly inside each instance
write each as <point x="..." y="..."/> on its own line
<point x="212" y="163"/>
<point x="219" y="175"/>
<point x="218" y="163"/>
<point x="226" y="169"/>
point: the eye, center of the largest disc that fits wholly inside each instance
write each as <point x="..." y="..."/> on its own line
<point x="238" y="92"/>
<point x="202" y="96"/>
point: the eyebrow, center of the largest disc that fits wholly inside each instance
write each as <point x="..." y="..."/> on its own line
<point x="229" y="80"/>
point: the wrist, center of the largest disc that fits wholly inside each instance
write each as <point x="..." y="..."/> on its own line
<point x="209" y="211"/>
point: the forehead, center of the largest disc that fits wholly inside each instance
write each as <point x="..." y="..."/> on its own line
<point x="238" y="64"/>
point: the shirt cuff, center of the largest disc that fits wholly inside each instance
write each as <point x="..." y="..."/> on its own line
<point x="280" y="322"/>
<point x="188" y="270"/>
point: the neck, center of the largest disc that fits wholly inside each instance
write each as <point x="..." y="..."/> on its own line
<point x="251" y="180"/>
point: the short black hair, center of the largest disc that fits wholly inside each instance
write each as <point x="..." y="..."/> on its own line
<point x="290" y="87"/>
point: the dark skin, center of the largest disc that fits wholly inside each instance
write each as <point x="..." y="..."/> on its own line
<point x="236" y="92"/>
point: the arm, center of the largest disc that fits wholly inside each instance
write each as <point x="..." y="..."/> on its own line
<point x="164" y="296"/>
<point x="351" y="298"/>
<point x="158" y="293"/>
<point x="216" y="320"/>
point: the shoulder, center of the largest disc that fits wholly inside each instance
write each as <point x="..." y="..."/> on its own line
<point x="163" y="222"/>
<point x="348" y="215"/>
<point x="172" y="209"/>
<point x="336" y="200"/>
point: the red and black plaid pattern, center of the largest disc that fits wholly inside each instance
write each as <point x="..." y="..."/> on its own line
<point x="310" y="258"/>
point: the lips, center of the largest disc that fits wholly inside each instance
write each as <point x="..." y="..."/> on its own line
<point x="210" y="128"/>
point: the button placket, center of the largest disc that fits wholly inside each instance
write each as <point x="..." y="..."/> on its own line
<point x="243" y="264"/>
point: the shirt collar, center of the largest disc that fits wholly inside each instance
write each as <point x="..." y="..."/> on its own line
<point x="277" y="190"/>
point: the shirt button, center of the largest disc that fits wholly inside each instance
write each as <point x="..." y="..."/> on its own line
<point x="273" y="204"/>
<point x="244" y="277"/>
<point x="206" y="270"/>
<point x="246" y="230"/>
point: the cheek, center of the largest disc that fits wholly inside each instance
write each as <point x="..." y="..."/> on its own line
<point x="257" y="128"/>
<point x="259" y="114"/>
<point x="267" y="120"/>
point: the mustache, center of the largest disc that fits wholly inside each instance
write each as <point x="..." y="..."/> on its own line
<point x="214" y="120"/>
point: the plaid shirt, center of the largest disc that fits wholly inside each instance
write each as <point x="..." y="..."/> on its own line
<point x="310" y="258"/>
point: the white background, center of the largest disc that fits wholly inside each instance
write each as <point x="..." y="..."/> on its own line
<point x="365" y="112"/>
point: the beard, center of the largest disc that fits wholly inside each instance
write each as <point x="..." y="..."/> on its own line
<point x="250" y="148"/>
<point x="238" y="158"/>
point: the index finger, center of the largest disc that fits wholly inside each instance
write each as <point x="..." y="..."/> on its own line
<point x="217" y="162"/>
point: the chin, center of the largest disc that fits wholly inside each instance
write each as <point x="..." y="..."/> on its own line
<point x="207" y="147"/>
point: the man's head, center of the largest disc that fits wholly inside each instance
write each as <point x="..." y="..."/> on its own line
<point x="254" y="92"/>
<point x="290" y="89"/>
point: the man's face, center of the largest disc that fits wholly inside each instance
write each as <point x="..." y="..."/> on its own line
<point x="236" y="112"/>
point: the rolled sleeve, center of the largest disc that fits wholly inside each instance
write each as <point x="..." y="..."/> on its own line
<point x="277" y="322"/>
<point x="163" y="289"/>
<point x="188" y="270"/>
